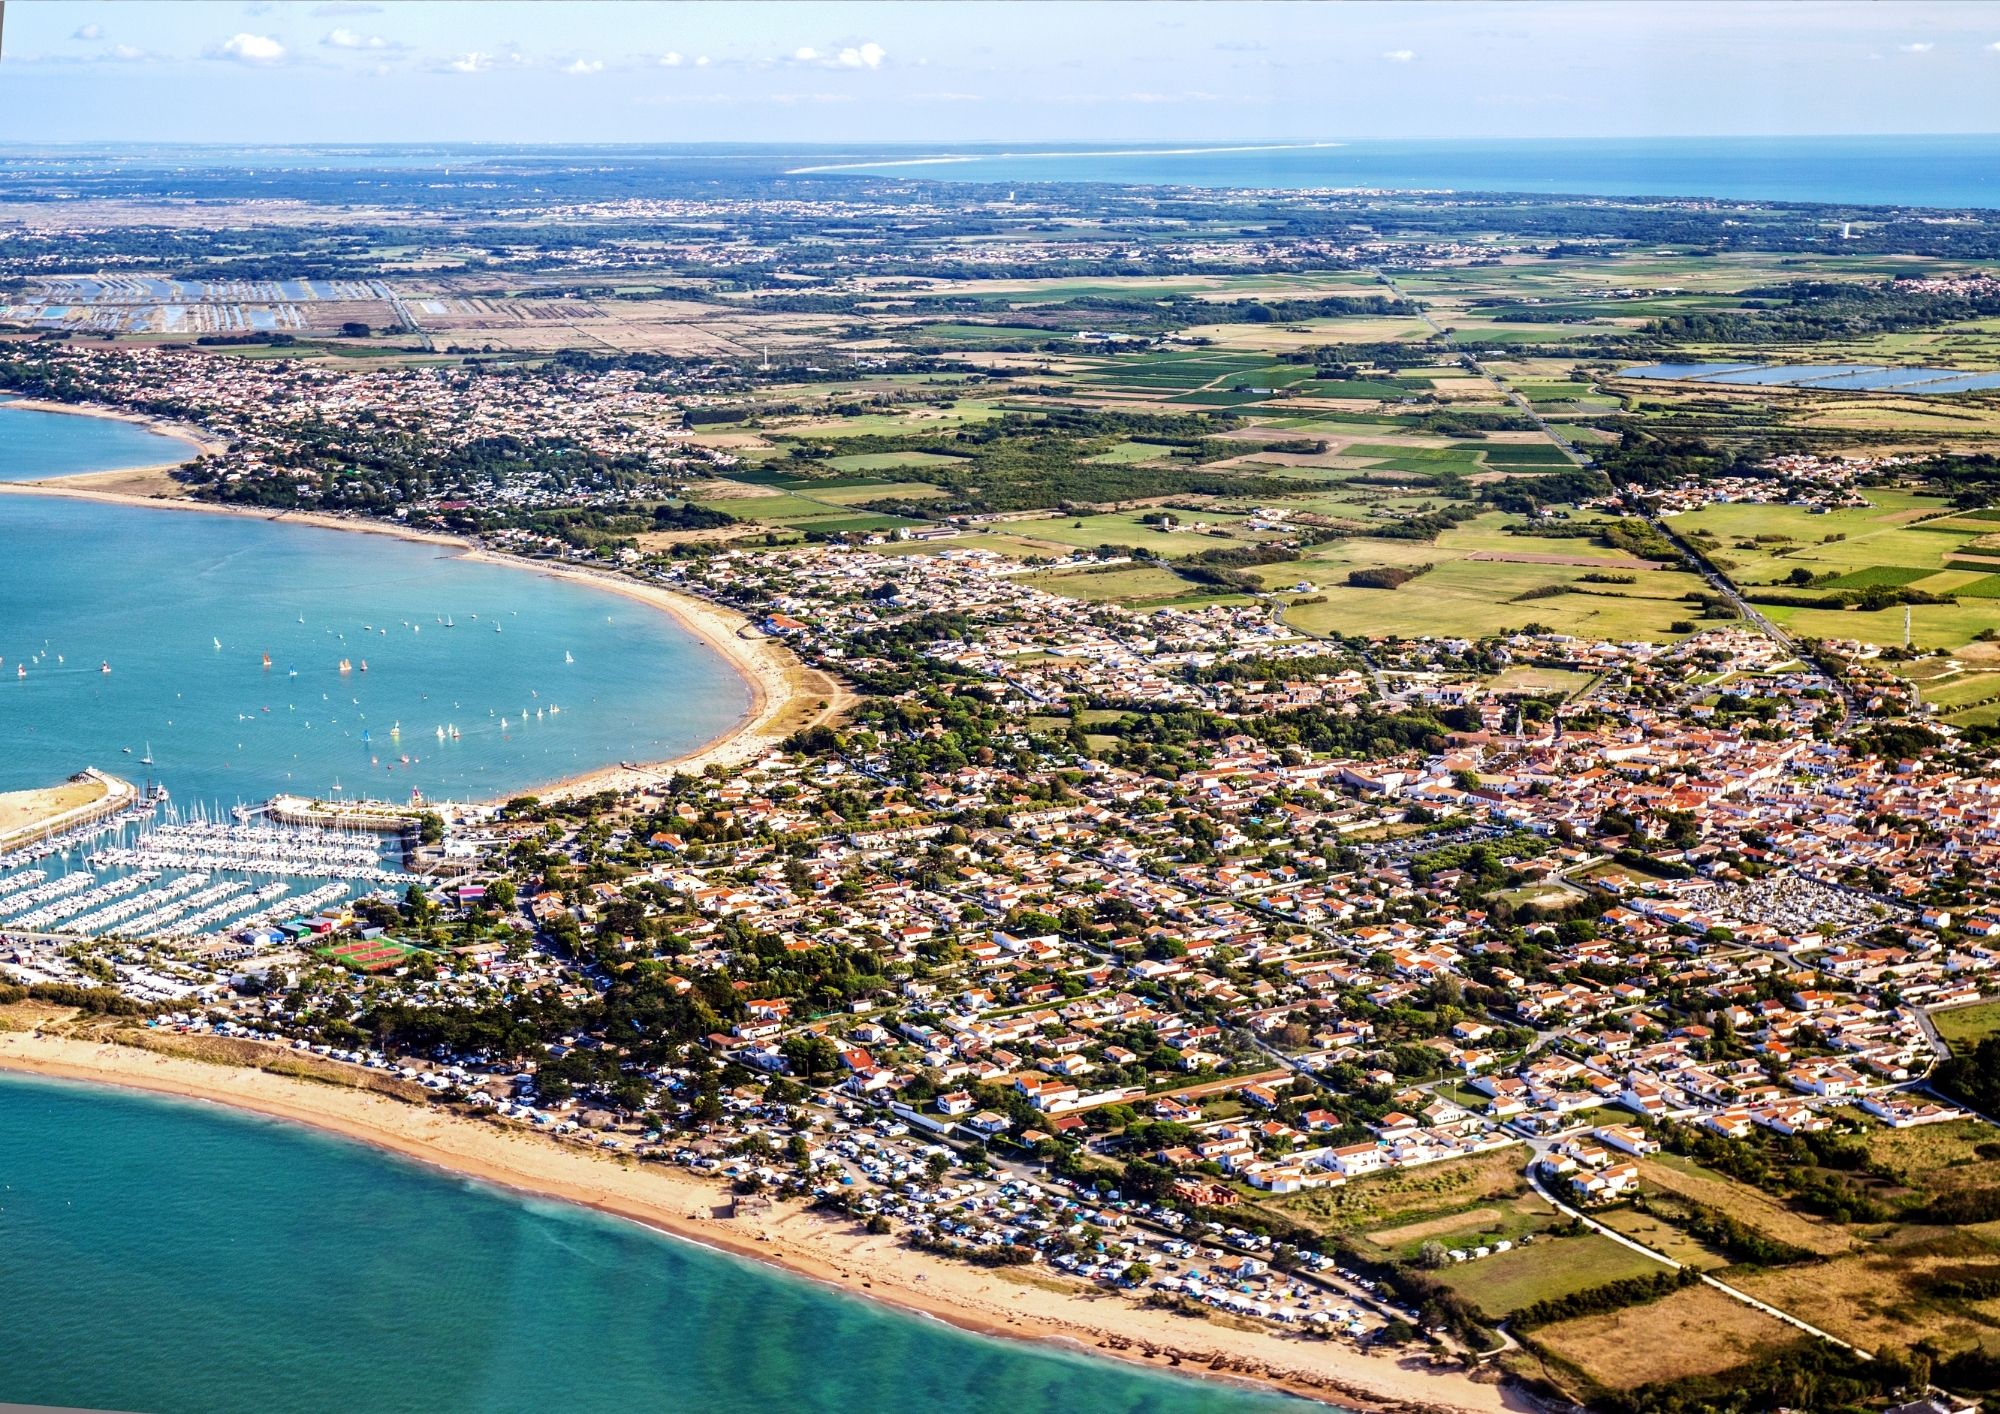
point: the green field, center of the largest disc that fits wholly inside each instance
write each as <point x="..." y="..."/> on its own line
<point x="1148" y="585"/>
<point x="889" y="461"/>
<point x="1889" y="576"/>
<point x="1549" y="1267"/>
<point x="1125" y="528"/>
<point x="1966" y="1026"/>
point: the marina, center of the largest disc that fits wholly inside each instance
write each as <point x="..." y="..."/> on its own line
<point x="159" y="876"/>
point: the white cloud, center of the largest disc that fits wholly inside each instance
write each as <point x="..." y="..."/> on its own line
<point x="584" y="66"/>
<point x="1920" y="48"/>
<point x="850" y="56"/>
<point x="702" y="62"/>
<point x="1400" y="56"/>
<point x="340" y="37"/>
<point x="126" y="53"/>
<point x="861" y="56"/>
<point x="249" y="48"/>
<point x="670" y="60"/>
<point x="92" y="31"/>
<point x="471" y="63"/>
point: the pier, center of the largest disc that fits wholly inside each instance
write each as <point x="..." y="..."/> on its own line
<point x="380" y="816"/>
<point x="90" y="797"/>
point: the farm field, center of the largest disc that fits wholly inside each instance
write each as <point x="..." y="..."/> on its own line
<point x="1505" y="1219"/>
<point x="1547" y="1268"/>
<point x="1744" y="1203"/>
<point x="1696" y="1331"/>
<point x="1472" y="591"/>
<point x="1661" y="1236"/>
<point x="1128" y="529"/>
<point x="1876" y="1300"/>
<point x="888" y="461"/>
<point x="1144" y="586"/>
<point x="1398" y="1198"/>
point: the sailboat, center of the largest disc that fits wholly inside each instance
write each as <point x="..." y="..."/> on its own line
<point x="147" y="759"/>
<point x="267" y="660"/>
<point x="566" y="656"/>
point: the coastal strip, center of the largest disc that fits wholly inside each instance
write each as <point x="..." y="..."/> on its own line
<point x="203" y="442"/>
<point x="953" y="158"/>
<point x="828" y="1250"/>
<point x="785" y="695"/>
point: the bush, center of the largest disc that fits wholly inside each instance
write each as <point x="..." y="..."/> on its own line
<point x="1384" y="576"/>
<point x="1595" y="1300"/>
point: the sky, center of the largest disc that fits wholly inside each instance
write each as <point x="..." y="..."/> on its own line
<point x="937" y="73"/>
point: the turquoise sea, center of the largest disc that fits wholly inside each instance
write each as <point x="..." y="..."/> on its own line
<point x="36" y="444"/>
<point x="169" y="1256"/>
<point x="543" y="678"/>
<point x="1948" y="171"/>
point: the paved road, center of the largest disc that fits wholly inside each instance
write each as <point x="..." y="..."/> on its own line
<point x="1715" y="579"/>
<point x="1722" y="1286"/>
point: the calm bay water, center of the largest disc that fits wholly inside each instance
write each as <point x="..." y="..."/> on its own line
<point x="150" y="593"/>
<point x="167" y="1256"/>
<point x="1914" y="171"/>
<point x="36" y="444"/>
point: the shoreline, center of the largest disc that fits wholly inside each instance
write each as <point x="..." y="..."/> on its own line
<point x="203" y="441"/>
<point x="777" y="682"/>
<point x="802" y="1243"/>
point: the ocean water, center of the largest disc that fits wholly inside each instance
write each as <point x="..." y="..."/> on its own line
<point x="150" y="593"/>
<point x="168" y="1256"/>
<point x="36" y="444"/>
<point x="1914" y="171"/>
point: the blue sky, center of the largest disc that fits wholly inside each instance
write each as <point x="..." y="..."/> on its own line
<point x="930" y="73"/>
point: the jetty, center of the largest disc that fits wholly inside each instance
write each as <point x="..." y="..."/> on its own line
<point x="90" y="797"/>
<point x="382" y="816"/>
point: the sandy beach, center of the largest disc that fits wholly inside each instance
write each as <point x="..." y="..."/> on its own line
<point x="805" y="1243"/>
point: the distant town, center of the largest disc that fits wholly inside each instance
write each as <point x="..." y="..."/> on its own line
<point x="1291" y="791"/>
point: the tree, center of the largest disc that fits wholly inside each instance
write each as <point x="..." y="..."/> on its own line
<point x="809" y="1054"/>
